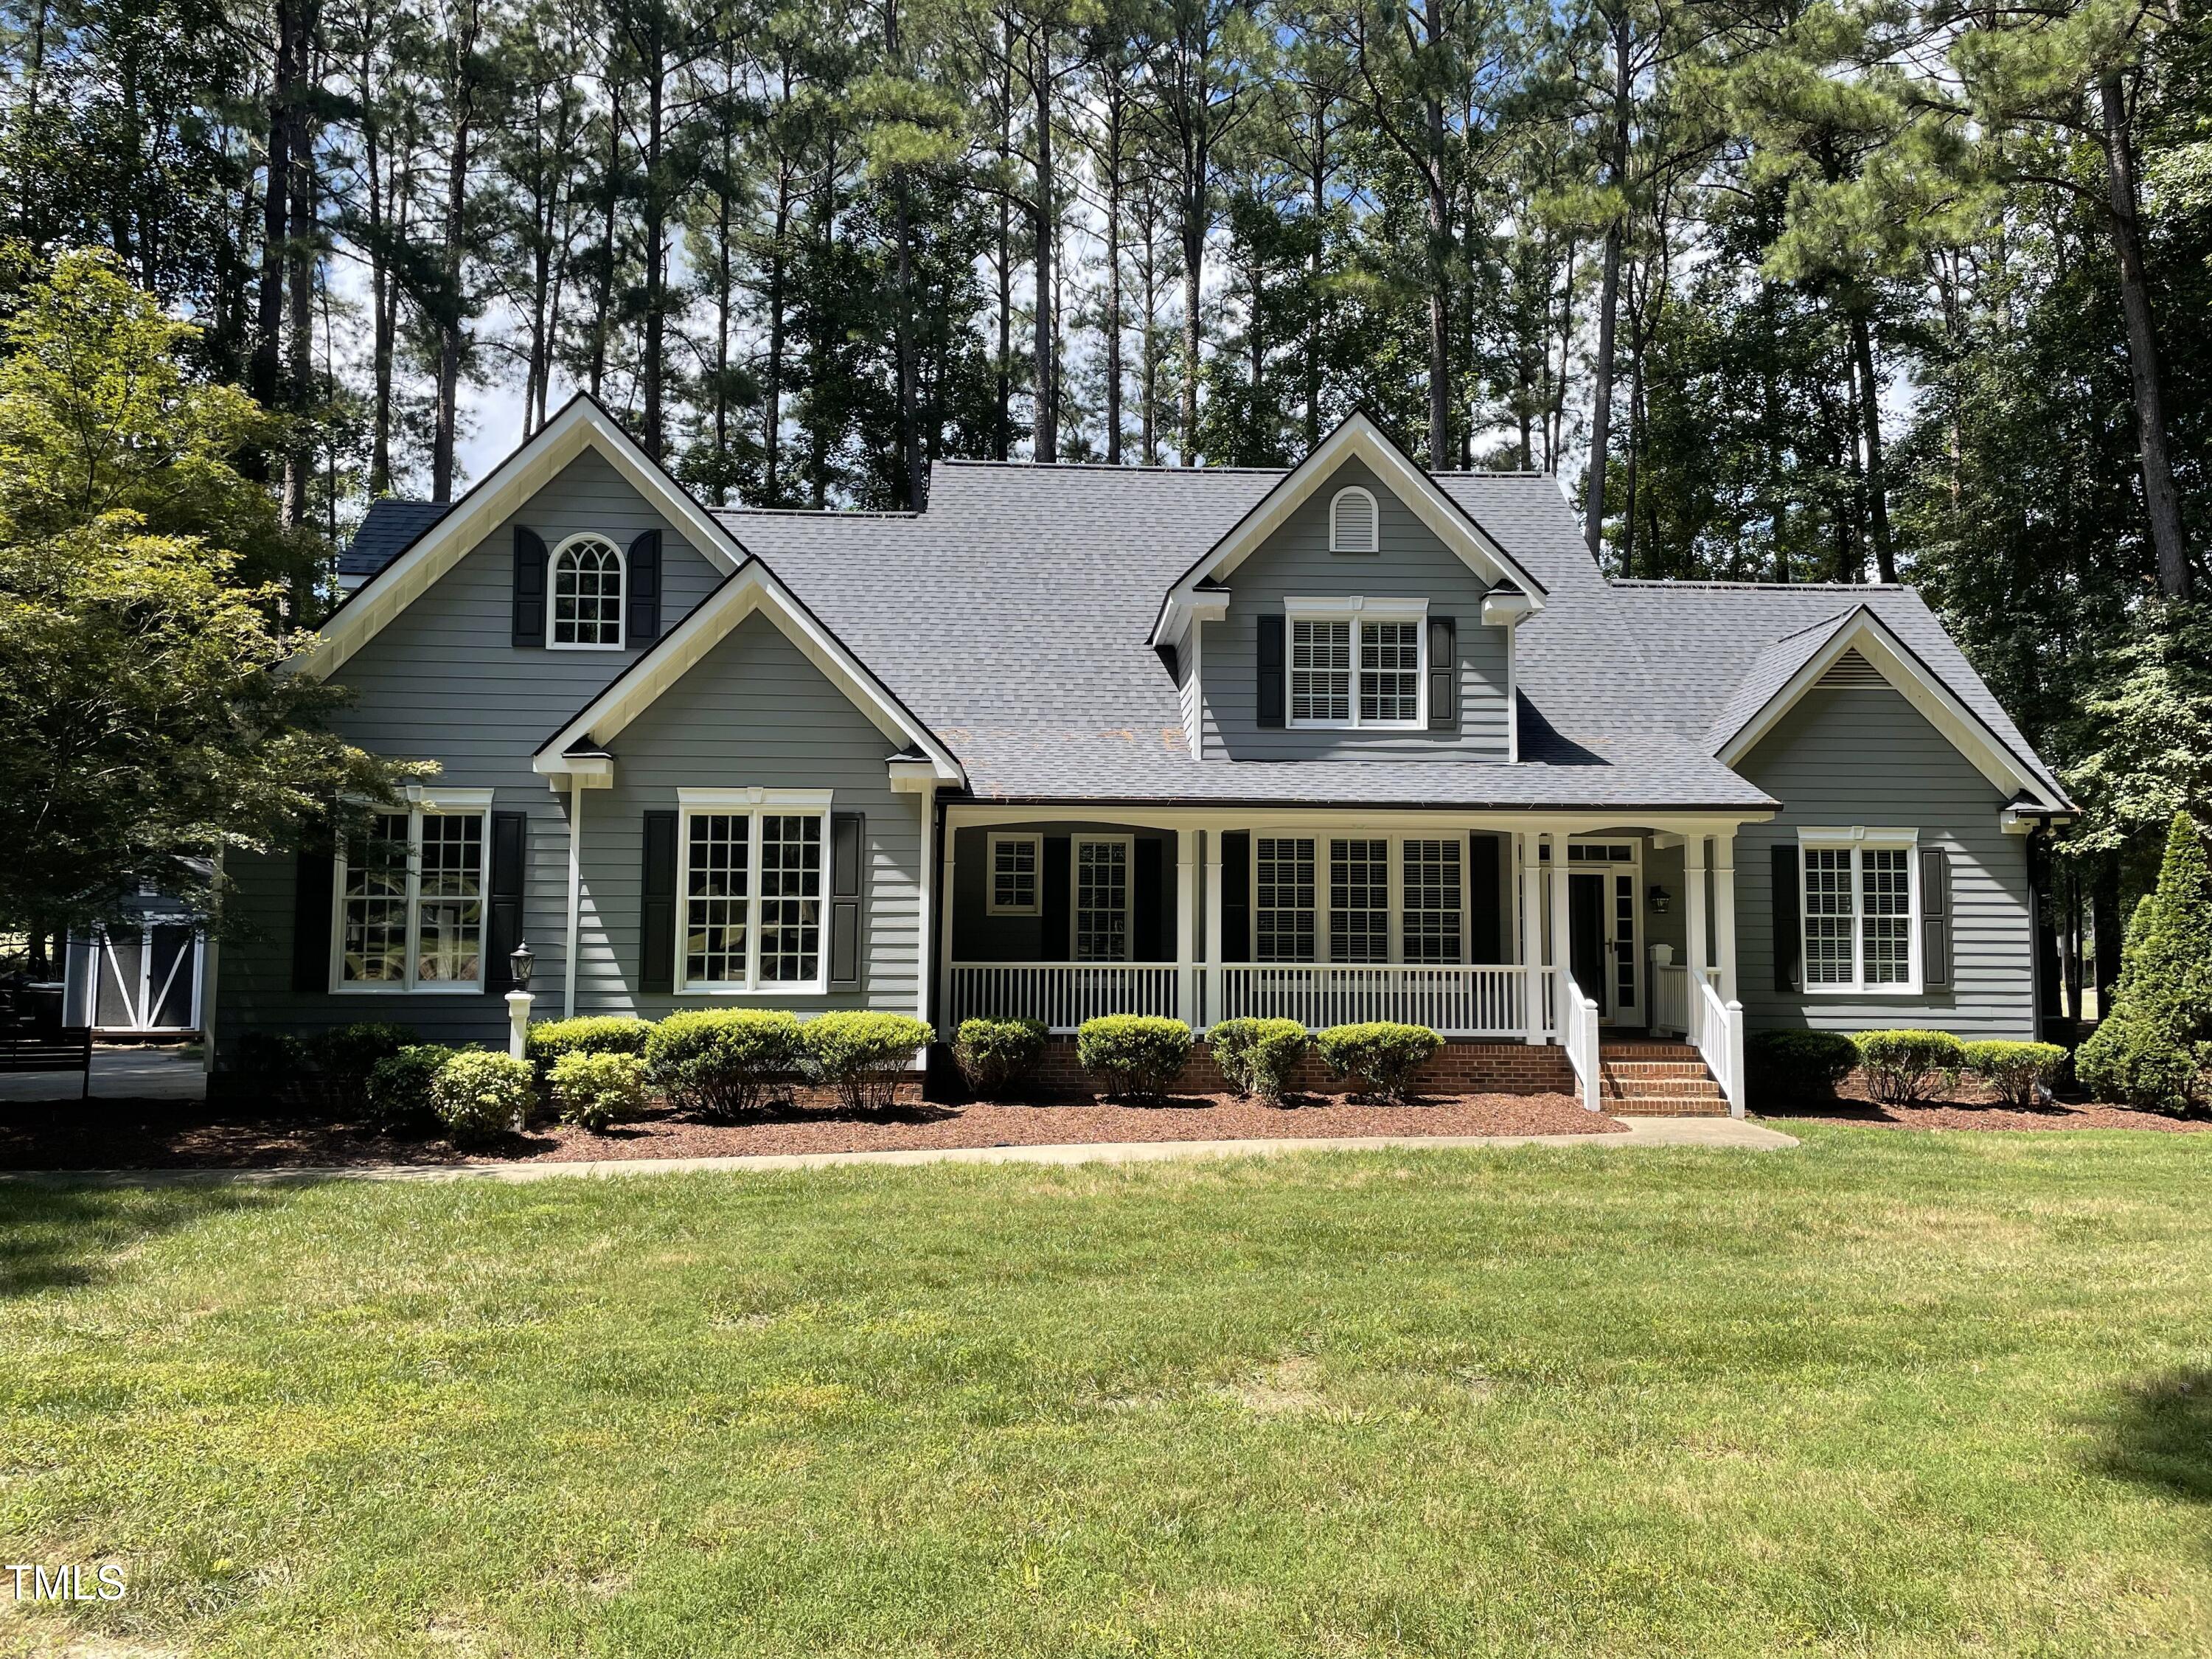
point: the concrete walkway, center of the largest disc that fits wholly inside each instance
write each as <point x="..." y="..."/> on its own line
<point x="1728" y="1133"/>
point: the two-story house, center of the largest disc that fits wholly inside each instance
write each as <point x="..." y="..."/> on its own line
<point x="1346" y="741"/>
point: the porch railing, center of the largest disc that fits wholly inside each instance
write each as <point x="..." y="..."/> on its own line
<point x="1063" y="995"/>
<point x="1716" y="1030"/>
<point x="1455" y="1001"/>
<point x="1579" y="1034"/>
<point x="1670" y="997"/>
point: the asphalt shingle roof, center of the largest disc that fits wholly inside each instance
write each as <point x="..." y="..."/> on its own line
<point x="1012" y="618"/>
<point x="386" y="531"/>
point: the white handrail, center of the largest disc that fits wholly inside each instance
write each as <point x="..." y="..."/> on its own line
<point x="1063" y="995"/>
<point x="1670" y="997"/>
<point x="1579" y="1033"/>
<point x="1716" y="1032"/>
<point x="1451" y="999"/>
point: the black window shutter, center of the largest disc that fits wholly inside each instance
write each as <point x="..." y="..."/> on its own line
<point x="1788" y="930"/>
<point x="510" y="838"/>
<point x="1482" y="908"/>
<point x="657" y="910"/>
<point x="1051" y="907"/>
<point x="529" y="587"/>
<point x="645" y="589"/>
<point x="312" y="873"/>
<point x="848" y="868"/>
<point x="1237" y="895"/>
<point x="1935" y="918"/>
<point x="1145" y="903"/>
<point x="1270" y="671"/>
<point x="1443" y="674"/>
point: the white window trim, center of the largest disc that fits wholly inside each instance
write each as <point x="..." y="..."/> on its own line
<point x="436" y="800"/>
<point x="1374" y="520"/>
<point x="992" y="842"/>
<point x="1395" y="871"/>
<point x="1358" y="610"/>
<point x="1075" y="845"/>
<point x="622" y="594"/>
<point x="1857" y="837"/>
<point x="755" y="803"/>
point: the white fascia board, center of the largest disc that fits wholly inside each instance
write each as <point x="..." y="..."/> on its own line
<point x="1906" y="674"/>
<point x="754" y="587"/>
<point x="1505" y="609"/>
<point x="496" y="497"/>
<point x="1357" y="438"/>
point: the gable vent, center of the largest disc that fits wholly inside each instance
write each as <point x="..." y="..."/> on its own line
<point x="1852" y="673"/>
<point x="1352" y="522"/>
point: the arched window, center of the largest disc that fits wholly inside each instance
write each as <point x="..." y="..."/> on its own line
<point x="1352" y="522"/>
<point x="588" y="582"/>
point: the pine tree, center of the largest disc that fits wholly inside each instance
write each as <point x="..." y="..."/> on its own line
<point x="2154" y="1049"/>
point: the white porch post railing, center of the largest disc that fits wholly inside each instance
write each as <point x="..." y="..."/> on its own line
<point x="1716" y="1030"/>
<point x="1186" y="903"/>
<point x="1578" y="1029"/>
<point x="1670" y="991"/>
<point x="1062" y="994"/>
<point x="1452" y="999"/>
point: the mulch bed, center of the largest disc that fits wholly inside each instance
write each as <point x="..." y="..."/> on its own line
<point x="111" y="1134"/>
<point x="1970" y="1106"/>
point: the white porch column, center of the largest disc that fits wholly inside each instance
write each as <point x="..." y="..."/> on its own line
<point x="946" y="1013"/>
<point x="1186" y="923"/>
<point x="1724" y="911"/>
<point x="1530" y="941"/>
<point x="1562" y="954"/>
<point x="924" y="979"/>
<point x="1212" y="925"/>
<point x="575" y="892"/>
<point x="1693" y="921"/>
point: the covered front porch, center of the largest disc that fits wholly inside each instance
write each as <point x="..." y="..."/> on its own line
<point x="1489" y="929"/>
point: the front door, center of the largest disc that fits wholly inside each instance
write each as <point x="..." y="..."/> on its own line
<point x="1602" y="936"/>
<point x="1587" y="952"/>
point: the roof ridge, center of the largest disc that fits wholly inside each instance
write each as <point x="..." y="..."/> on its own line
<point x="813" y="512"/>
<point x="1692" y="584"/>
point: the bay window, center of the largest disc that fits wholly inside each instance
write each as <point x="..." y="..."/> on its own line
<point x="409" y="891"/>
<point x="752" y="878"/>
<point x="1859" y="910"/>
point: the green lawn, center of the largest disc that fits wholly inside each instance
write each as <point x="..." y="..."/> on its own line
<point x="1888" y="1394"/>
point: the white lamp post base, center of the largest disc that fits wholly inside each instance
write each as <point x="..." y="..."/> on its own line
<point x="517" y="1021"/>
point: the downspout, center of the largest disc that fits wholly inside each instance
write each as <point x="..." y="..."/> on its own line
<point x="576" y="890"/>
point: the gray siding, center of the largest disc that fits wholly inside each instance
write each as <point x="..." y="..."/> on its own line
<point x="1412" y="564"/>
<point x="754" y="712"/>
<point x="443" y="682"/>
<point x="1867" y="757"/>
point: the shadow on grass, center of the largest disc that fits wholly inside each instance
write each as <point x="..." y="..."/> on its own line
<point x="58" y="1235"/>
<point x="2160" y="1435"/>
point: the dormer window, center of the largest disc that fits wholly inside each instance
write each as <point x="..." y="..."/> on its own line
<point x="1352" y="522"/>
<point x="1357" y="663"/>
<point x="589" y="589"/>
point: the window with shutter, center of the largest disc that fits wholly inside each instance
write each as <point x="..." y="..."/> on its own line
<point x="1859" y="906"/>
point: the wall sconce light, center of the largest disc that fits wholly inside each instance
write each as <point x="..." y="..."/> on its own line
<point x="1660" y="900"/>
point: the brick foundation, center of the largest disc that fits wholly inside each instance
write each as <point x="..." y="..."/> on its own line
<point x="1458" y="1068"/>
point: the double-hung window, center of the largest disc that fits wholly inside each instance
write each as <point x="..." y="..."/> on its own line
<point x="752" y="882"/>
<point x="1357" y="663"/>
<point x="1283" y="898"/>
<point x="1015" y="861"/>
<point x="1350" y="898"/>
<point x="1358" y="899"/>
<point x="1860" y="909"/>
<point x="1102" y="897"/>
<point x="410" y="896"/>
<point x="1433" y="900"/>
<point x="590" y="581"/>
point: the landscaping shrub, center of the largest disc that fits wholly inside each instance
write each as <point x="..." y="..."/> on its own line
<point x="2021" y="1072"/>
<point x="863" y="1056"/>
<point x="480" y="1096"/>
<point x="400" y="1086"/>
<point x="344" y="1056"/>
<point x="2154" y="1047"/>
<point x="1905" y="1066"/>
<point x="1381" y="1056"/>
<point x="1257" y="1056"/>
<point x="547" y="1040"/>
<point x="1787" y="1066"/>
<point x="996" y="1054"/>
<point x="265" y="1054"/>
<point x="722" y="1061"/>
<point x="1136" y="1057"/>
<point x="598" y="1090"/>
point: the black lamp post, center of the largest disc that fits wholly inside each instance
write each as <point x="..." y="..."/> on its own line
<point x="519" y="962"/>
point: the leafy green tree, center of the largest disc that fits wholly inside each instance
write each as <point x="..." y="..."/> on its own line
<point x="150" y="727"/>
<point x="2154" y="1050"/>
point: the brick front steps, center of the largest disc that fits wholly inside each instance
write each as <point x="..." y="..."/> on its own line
<point x="1657" y="1079"/>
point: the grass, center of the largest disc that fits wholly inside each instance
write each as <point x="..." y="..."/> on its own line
<point x="1890" y="1394"/>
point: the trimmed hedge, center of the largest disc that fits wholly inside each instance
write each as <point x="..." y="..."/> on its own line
<point x="864" y="1056"/>
<point x="547" y="1040"/>
<point x="2021" y="1072"/>
<point x="1787" y="1066"/>
<point x="1382" y="1055"/>
<point x="1257" y="1056"/>
<point x="1136" y="1057"/>
<point x="480" y="1096"/>
<point x="996" y="1054"/>
<point x="722" y="1061"/>
<point x="401" y="1087"/>
<point x="1905" y="1066"/>
<point x="596" y="1089"/>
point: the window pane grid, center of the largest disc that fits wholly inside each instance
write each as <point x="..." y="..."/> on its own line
<point x="449" y="910"/>
<point x="1389" y="672"/>
<point x="717" y="886"/>
<point x="1886" y="892"/>
<point x="1013" y="875"/>
<point x="1858" y="916"/>
<point x="1359" y="901"/>
<point x="587" y="584"/>
<point x="1432" y="901"/>
<point x="373" y="949"/>
<point x="1828" y="916"/>
<point x="1321" y="671"/>
<point x="1102" y="900"/>
<point x="790" y="898"/>
<point x="1282" y="899"/>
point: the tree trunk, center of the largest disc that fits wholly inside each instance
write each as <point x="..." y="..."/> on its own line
<point x="772" y="385"/>
<point x="448" y="416"/>
<point x="1114" y="117"/>
<point x="1044" y="439"/>
<point x="2162" y="502"/>
<point x="381" y="315"/>
<point x="603" y="314"/>
<point x="1439" y="211"/>
<point x="2108" y="926"/>
<point x="1870" y="414"/>
<point x="283" y="92"/>
<point x="1608" y="297"/>
<point x="300" y="282"/>
<point x="654" y="437"/>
